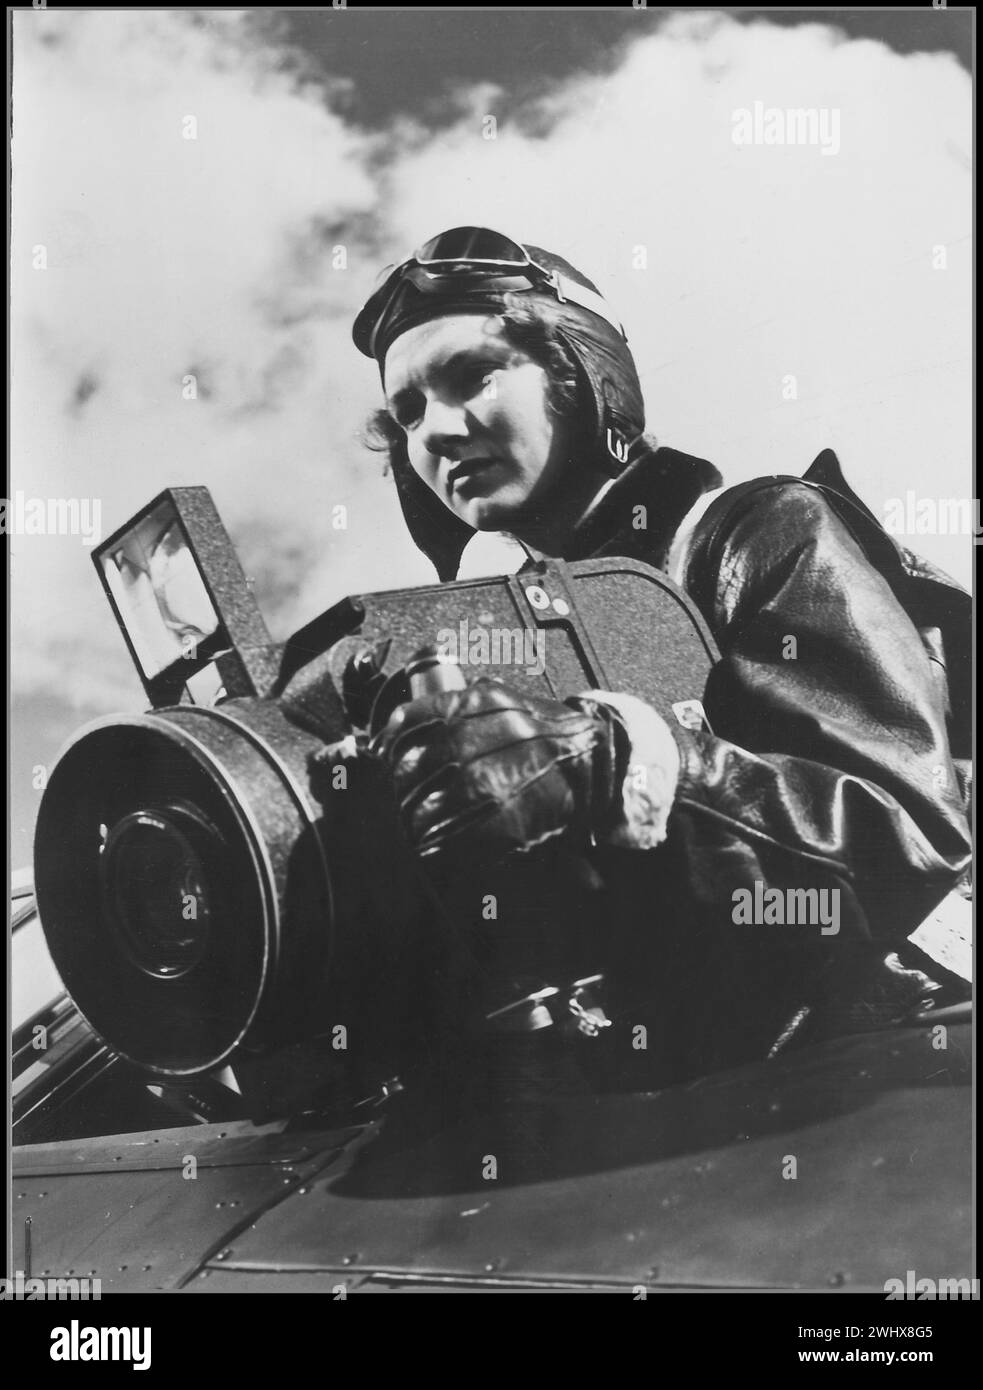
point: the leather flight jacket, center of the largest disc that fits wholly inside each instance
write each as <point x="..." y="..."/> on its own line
<point x="836" y="763"/>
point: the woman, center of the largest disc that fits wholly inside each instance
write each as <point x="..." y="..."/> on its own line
<point x="513" y="404"/>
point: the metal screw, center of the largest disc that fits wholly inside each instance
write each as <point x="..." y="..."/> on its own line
<point x="538" y="597"/>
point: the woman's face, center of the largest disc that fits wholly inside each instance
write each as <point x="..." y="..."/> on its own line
<point x="474" y="409"/>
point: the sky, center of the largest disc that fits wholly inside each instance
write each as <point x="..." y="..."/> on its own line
<point x="326" y="144"/>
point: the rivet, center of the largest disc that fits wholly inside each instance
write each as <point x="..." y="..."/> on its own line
<point x="538" y="597"/>
<point x="561" y="606"/>
<point x="835" y="1280"/>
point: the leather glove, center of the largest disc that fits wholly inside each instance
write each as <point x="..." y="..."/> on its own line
<point x="488" y="769"/>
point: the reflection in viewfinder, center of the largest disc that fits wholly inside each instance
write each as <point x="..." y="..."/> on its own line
<point x="159" y="591"/>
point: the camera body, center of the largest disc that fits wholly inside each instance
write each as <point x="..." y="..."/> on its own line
<point x="224" y="876"/>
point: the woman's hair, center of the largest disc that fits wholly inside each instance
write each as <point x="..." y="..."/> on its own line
<point x="524" y="328"/>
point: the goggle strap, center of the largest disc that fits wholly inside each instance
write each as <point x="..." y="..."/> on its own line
<point x="564" y="288"/>
<point x="579" y="294"/>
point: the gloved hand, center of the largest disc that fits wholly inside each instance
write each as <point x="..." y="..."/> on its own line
<point x="490" y="769"/>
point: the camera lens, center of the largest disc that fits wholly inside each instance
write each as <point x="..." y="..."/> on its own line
<point x="183" y="892"/>
<point x="155" y="891"/>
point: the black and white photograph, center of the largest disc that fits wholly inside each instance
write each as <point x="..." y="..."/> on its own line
<point x="491" y="536"/>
